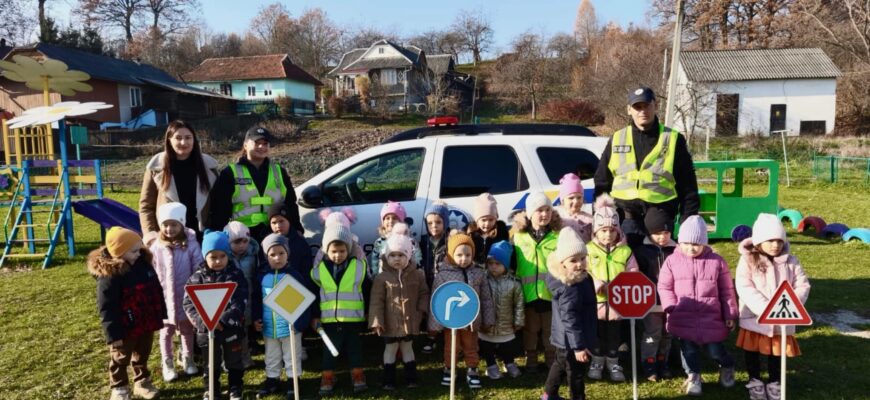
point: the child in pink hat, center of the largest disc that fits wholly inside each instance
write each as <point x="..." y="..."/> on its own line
<point x="486" y="228"/>
<point x="571" y="207"/>
<point x="392" y="213"/>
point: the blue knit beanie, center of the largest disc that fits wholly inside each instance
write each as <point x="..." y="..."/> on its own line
<point x="215" y="241"/>
<point x="501" y="251"/>
<point x="440" y="209"/>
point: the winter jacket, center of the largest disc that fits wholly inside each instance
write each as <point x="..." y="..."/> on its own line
<point x="604" y="266"/>
<point x="153" y="195"/>
<point x="698" y="296"/>
<point x="174" y="264"/>
<point x="650" y="258"/>
<point x="432" y="255"/>
<point x="399" y="301"/>
<point x="755" y="288"/>
<point x="580" y="223"/>
<point x="375" y="264"/>
<point x="337" y="272"/>
<point x="249" y="263"/>
<point x="129" y="297"/>
<point x="275" y="326"/>
<point x="474" y="276"/>
<point x="574" y="322"/>
<point x="234" y="314"/>
<point x="483" y="243"/>
<point x="507" y="299"/>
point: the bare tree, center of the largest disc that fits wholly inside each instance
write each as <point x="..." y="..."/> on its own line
<point x="565" y="46"/>
<point x="274" y="27"/>
<point x="476" y="30"/>
<point x="170" y="16"/>
<point x="363" y="38"/>
<point x="15" y="24"/>
<point x="122" y="14"/>
<point x="586" y="24"/>
<point x="526" y="76"/>
<point x="439" y="42"/>
<point x="316" y="43"/>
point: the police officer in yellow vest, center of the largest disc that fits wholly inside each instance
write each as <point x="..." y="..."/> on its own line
<point x="646" y="167"/>
<point x="247" y="189"/>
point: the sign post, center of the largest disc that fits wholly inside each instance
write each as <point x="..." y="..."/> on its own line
<point x="784" y="309"/>
<point x="210" y="300"/>
<point x="454" y="305"/>
<point x="289" y="298"/>
<point x="632" y="295"/>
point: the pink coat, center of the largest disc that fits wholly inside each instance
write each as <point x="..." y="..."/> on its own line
<point x="580" y="223"/>
<point x="755" y="288"/>
<point x="174" y="265"/>
<point x="698" y="296"/>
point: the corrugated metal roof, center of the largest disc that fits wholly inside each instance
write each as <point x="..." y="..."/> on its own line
<point x="440" y="63"/>
<point x="187" y="89"/>
<point x="757" y="64"/>
<point x="347" y="59"/>
<point x="99" y="66"/>
<point x="375" y="63"/>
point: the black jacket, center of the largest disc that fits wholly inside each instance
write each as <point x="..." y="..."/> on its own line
<point x="574" y="320"/>
<point x="234" y="315"/>
<point x="432" y="256"/>
<point x="221" y="198"/>
<point x="684" y="171"/>
<point x="482" y="244"/>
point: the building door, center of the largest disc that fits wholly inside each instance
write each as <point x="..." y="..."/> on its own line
<point x="777" y="117"/>
<point x="726" y="114"/>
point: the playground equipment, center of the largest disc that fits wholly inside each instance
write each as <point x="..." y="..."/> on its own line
<point x="862" y="234"/>
<point x="834" y="229"/>
<point x="793" y="216"/>
<point x="816" y="223"/>
<point x="728" y="214"/>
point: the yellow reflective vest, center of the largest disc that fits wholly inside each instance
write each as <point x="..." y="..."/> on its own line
<point x="604" y="266"/>
<point x="532" y="264"/>
<point x="654" y="181"/>
<point x="250" y="207"/>
<point x="342" y="302"/>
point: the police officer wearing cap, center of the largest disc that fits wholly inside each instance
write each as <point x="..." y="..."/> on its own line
<point x="248" y="188"/>
<point x="647" y="169"/>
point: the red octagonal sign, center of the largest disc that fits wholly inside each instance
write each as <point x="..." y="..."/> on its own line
<point x="631" y="294"/>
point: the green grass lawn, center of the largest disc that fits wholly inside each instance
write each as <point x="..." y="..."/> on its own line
<point x="51" y="344"/>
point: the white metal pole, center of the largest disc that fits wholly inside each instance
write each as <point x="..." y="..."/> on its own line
<point x="293" y="357"/>
<point x="782" y="362"/>
<point x="785" y="157"/>
<point x="707" y="145"/>
<point x="452" y="364"/>
<point x="211" y="394"/>
<point x="633" y="361"/>
<point x="675" y="59"/>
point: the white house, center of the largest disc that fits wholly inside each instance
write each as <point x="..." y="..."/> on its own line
<point x="759" y="91"/>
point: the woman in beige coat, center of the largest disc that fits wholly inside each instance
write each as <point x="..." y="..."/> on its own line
<point x="180" y="173"/>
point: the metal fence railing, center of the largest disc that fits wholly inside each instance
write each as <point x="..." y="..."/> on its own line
<point x="834" y="169"/>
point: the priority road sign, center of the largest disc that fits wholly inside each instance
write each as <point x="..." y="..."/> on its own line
<point x="289" y="298"/>
<point x="455" y="305"/>
<point x="785" y="308"/>
<point x="210" y="300"/>
<point x="631" y="294"/>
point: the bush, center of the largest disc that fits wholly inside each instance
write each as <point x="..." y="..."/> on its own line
<point x="285" y="106"/>
<point x="262" y="109"/>
<point x="326" y="93"/>
<point x="336" y="106"/>
<point x="573" y="111"/>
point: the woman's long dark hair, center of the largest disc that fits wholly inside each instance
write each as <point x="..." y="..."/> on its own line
<point x="171" y="157"/>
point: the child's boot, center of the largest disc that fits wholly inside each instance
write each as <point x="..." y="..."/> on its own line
<point x="650" y="369"/>
<point x="359" y="379"/>
<point x="235" y="380"/>
<point x="190" y="366"/>
<point x="726" y="376"/>
<point x="445" y="377"/>
<point x="473" y="378"/>
<point x="428" y="345"/>
<point x="596" y="367"/>
<point x="531" y="361"/>
<point x="411" y="374"/>
<point x="269" y="386"/>
<point x="615" y="370"/>
<point x="513" y="370"/>
<point x="493" y="372"/>
<point x="389" y="377"/>
<point x="145" y="389"/>
<point x="327" y="382"/>
<point x="692" y="385"/>
<point x="756" y="389"/>
<point x="169" y="373"/>
<point x="120" y="393"/>
<point x="773" y="391"/>
<point x="663" y="369"/>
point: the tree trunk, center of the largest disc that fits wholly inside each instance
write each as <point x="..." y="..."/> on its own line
<point x="42" y="25"/>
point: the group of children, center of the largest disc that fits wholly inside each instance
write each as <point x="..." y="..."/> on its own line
<point x="542" y="286"/>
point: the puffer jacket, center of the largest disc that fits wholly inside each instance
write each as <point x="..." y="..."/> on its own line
<point x="249" y="264"/>
<point x="755" y="288"/>
<point x="474" y="276"/>
<point x="274" y="326"/>
<point x="234" y="314"/>
<point x="129" y="297"/>
<point x="574" y="324"/>
<point x="580" y="223"/>
<point x="507" y="299"/>
<point x="698" y="296"/>
<point x="399" y="301"/>
<point x="174" y="264"/>
<point x="650" y="258"/>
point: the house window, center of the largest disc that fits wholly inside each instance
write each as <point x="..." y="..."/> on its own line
<point x="380" y="50"/>
<point x="226" y="89"/>
<point x="135" y="97"/>
<point x="267" y="89"/>
<point x="388" y="77"/>
<point x="400" y="74"/>
<point x="252" y="90"/>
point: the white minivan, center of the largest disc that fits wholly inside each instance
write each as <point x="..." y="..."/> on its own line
<point x="454" y="164"/>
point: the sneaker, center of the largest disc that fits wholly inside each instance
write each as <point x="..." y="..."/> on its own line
<point x="327" y="383"/>
<point x="546" y="397"/>
<point x="692" y="385"/>
<point x="773" y="391"/>
<point x="190" y="366"/>
<point x="205" y="396"/>
<point x="120" y="393"/>
<point x="756" y="390"/>
<point x="615" y="370"/>
<point x="269" y="386"/>
<point x="473" y="379"/>
<point x="169" y="373"/>
<point x="493" y="372"/>
<point x="726" y="377"/>
<point x="513" y="370"/>
<point x="359" y="380"/>
<point x="145" y="389"/>
<point x="428" y="345"/>
<point x="236" y="393"/>
<point x="596" y="367"/>
<point x="445" y="377"/>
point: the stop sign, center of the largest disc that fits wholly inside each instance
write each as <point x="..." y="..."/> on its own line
<point x="631" y="294"/>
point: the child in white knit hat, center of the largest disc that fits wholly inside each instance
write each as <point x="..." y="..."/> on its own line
<point x="765" y="262"/>
<point x="486" y="228"/>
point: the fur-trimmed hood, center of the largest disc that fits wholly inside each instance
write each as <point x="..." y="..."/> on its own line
<point x="554" y="267"/>
<point x="523" y="224"/>
<point x="746" y="247"/>
<point x="101" y="264"/>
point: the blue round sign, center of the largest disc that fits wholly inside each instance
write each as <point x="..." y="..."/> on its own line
<point x="455" y="305"/>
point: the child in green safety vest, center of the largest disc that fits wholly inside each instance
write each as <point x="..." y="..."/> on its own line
<point x="608" y="256"/>
<point x="344" y="285"/>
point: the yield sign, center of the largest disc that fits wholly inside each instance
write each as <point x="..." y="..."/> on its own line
<point x="785" y="308"/>
<point x="210" y="300"/>
<point x="289" y="299"/>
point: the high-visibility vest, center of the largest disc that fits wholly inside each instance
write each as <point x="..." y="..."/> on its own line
<point x="654" y="181"/>
<point x="342" y="302"/>
<point x="605" y="266"/>
<point x="250" y="207"/>
<point x="532" y="264"/>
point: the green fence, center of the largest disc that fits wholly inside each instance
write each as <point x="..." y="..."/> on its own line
<point x="841" y="169"/>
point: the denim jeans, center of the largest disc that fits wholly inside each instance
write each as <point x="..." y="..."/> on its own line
<point x="691" y="355"/>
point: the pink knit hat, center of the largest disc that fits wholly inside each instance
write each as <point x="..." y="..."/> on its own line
<point x="604" y="215"/>
<point x="401" y="244"/>
<point x="569" y="183"/>
<point x="485" y="205"/>
<point x="401" y="228"/>
<point x="237" y="230"/>
<point x="393" y="207"/>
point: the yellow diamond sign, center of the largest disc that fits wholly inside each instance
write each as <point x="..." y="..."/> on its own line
<point x="289" y="298"/>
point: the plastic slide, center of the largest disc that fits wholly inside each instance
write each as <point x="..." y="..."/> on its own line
<point x="108" y="213"/>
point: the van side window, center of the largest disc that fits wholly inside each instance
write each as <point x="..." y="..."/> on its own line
<point x="472" y="170"/>
<point x="558" y="161"/>
<point x="391" y="176"/>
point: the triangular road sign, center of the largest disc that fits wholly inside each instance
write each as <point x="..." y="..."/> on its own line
<point x="289" y="298"/>
<point x="785" y="308"/>
<point x="210" y="300"/>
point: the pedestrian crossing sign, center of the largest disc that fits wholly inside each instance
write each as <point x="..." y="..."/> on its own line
<point x="785" y="308"/>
